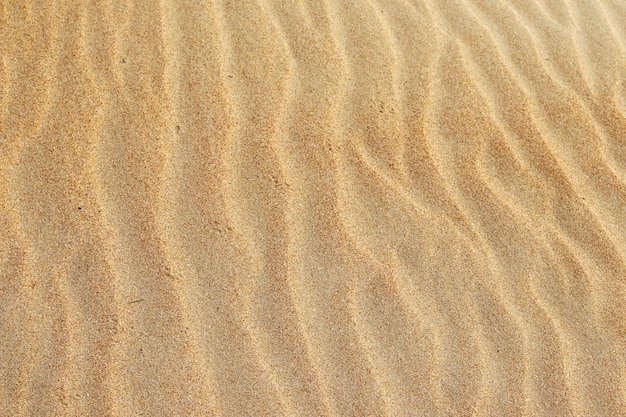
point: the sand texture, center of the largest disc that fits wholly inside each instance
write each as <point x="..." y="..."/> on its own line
<point x="396" y="208"/>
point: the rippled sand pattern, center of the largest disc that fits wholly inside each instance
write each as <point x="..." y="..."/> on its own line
<point x="313" y="208"/>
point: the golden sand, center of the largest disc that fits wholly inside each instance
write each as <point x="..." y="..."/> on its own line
<point x="313" y="208"/>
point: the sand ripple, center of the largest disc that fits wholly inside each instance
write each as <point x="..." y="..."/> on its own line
<point x="313" y="208"/>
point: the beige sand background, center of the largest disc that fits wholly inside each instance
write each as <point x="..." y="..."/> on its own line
<point x="313" y="208"/>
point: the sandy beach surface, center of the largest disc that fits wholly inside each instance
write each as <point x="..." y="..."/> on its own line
<point x="313" y="208"/>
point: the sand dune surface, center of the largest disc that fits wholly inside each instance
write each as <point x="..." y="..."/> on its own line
<point x="313" y="208"/>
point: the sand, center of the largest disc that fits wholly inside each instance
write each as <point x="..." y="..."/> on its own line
<point x="313" y="208"/>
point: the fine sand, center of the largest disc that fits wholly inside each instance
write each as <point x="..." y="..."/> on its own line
<point x="313" y="208"/>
